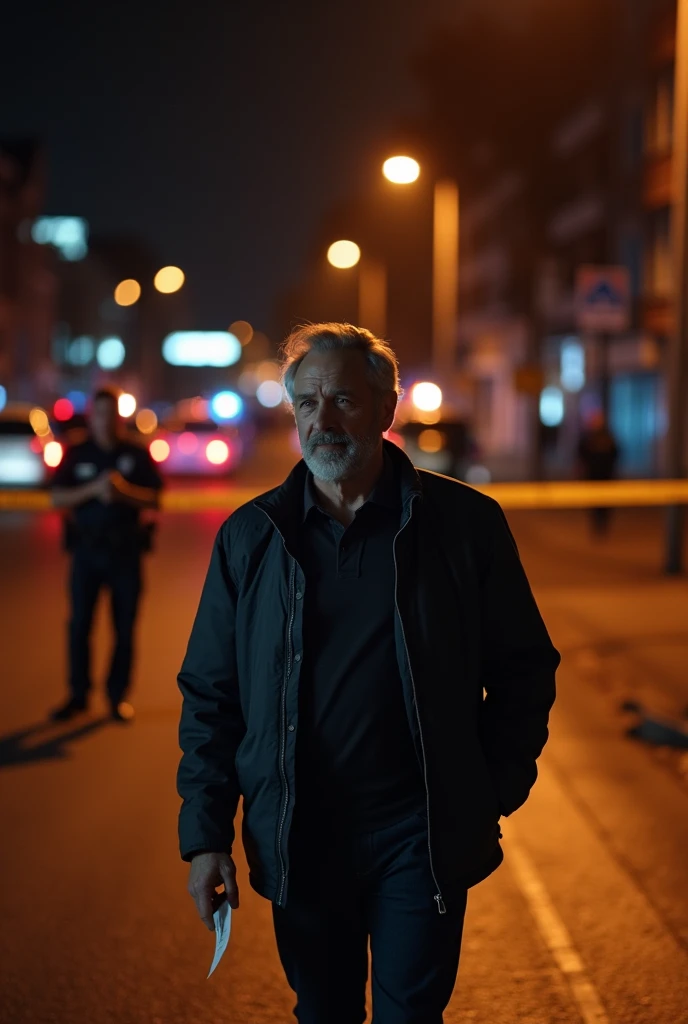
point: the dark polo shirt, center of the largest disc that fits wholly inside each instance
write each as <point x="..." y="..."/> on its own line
<point x="356" y="760"/>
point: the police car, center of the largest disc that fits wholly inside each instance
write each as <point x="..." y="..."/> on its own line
<point x="29" y="451"/>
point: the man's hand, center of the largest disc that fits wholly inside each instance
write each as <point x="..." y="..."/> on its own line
<point x="104" y="488"/>
<point x="208" y="870"/>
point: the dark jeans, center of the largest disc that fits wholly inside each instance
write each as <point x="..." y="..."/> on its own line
<point x="346" y="890"/>
<point x="120" y="572"/>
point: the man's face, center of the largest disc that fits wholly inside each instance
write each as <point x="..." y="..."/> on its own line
<point x="339" y="416"/>
<point x="104" y="420"/>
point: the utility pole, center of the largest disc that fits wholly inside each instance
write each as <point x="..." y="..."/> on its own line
<point x="677" y="367"/>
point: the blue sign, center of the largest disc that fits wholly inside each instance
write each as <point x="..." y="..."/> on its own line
<point x="603" y="298"/>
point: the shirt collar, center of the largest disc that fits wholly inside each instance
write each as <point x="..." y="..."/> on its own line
<point x="385" y="492"/>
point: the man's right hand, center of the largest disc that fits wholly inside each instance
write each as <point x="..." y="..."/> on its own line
<point x="208" y="871"/>
<point x="103" y="487"/>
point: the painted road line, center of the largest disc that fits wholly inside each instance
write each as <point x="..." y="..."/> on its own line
<point x="554" y="933"/>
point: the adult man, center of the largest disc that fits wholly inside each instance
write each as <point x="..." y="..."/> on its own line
<point x="104" y="482"/>
<point x="334" y="679"/>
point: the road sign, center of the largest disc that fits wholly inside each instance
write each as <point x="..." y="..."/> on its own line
<point x="603" y="298"/>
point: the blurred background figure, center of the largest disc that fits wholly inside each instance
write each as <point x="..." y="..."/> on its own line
<point x="598" y="455"/>
<point x="103" y="484"/>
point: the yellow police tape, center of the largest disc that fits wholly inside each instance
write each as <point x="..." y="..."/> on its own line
<point x="527" y="495"/>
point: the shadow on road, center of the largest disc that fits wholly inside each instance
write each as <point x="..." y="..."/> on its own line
<point x="18" y="747"/>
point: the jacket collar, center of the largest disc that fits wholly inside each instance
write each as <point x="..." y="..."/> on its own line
<point x="284" y="504"/>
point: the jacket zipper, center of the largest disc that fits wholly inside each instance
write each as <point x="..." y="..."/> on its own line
<point x="283" y="718"/>
<point x="283" y="735"/>
<point x="438" y="895"/>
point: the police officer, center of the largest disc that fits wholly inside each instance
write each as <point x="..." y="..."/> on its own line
<point x="598" y="455"/>
<point x="104" y="482"/>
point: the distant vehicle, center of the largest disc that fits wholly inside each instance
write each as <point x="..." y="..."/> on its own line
<point x="28" y="449"/>
<point x="446" y="446"/>
<point x="197" y="447"/>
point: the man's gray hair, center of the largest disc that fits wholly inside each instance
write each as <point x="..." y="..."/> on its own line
<point x="382" y="364"/>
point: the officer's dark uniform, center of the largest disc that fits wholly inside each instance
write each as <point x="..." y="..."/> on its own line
<point x="107" y="541"/>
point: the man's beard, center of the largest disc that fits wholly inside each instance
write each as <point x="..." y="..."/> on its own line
<point x="333" y="464"/>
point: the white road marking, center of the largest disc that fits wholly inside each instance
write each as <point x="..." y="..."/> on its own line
<point x="554" y="933"/>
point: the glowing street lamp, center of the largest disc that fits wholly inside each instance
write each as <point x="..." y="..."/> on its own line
<point x="169" y="280"/>
<point x="401" y="170"/>
<point x="426" y="396"/>
<point x="404" y="170"/>
<point x="372" y="284"/>
<point x="127" y="292"/>
<point x="343" y="254"/>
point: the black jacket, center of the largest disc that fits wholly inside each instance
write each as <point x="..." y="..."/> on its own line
<point x="476" y="663"/>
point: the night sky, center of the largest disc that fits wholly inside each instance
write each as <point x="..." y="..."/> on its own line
<point x="219" y="132"/>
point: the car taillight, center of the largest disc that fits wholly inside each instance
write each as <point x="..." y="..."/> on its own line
<point x="52" y="454"/>
<point x="159" y="449"/>
<point x="217" y="452"/>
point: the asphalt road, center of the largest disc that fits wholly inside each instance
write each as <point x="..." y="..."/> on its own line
<point x="587" y="920"/>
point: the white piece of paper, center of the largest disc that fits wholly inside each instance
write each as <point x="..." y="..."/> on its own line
<point x="223" y="924"/>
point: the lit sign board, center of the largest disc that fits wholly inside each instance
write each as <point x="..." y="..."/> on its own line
<point x="201" y="348"/>
<point x="69" y="235"/>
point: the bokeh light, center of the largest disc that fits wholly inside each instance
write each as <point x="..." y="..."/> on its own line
<point x="126" y="405"/>
<point x="267" y="370"/>
<point x="159" y="449"/>
<point x="81" y="351"/>
<point x="63" y="410"/>
<point x="248" y="381"/>
<point x="402" y="170"/>
<point x="343" y="254"/>
<point x="242" y="330"/>
<point x="426" y="396"/>
<point x="270" y="394"/>
<point x="431" y="440"/>
<point x="201" y="348"/>
<point x="551" y="406"/>
<point x="127" y="292"/>
<point x="146" y="421"/>
<point x="78" y="400"/>
<point x="52" y="454"/>
<point x="110" y="353"/>
<point x="226" y="405"/>
<point x="38" y="418"/>
<point x="3" y="397"/>
<point x="187" y="443"/>
<point x="168" y="280"/>
<point x="217" y="452"/>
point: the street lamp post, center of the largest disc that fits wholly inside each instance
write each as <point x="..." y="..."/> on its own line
<point x="372" y="284"/>
<point x="403" y="170"/>
<point x="678" y="352"/>
<point x="445" y="276"/>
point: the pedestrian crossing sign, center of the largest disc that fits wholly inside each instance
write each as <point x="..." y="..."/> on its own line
<point x="603" y="298"/>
